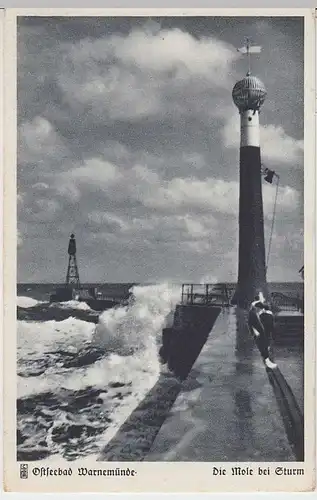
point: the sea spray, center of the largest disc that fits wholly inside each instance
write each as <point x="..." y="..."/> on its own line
<point x="208" y="279"/>
<point x="137" y="324"/>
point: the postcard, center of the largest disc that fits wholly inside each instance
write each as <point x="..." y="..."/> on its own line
<point x="159" y="250"/>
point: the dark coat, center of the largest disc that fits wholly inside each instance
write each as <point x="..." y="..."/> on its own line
<point x="255" y="322"/>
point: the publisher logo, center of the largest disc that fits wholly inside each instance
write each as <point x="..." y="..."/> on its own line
<point x="24" y="471"/>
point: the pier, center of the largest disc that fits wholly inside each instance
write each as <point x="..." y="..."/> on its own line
<point x="231" y="408"/>
<point x="217" y="401"/>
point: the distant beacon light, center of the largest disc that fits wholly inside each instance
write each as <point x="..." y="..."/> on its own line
<point x="249" y="95"/>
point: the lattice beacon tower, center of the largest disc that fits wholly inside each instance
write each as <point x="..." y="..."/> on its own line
<point x="72" y="276"/>
<point x="248" y="95"/>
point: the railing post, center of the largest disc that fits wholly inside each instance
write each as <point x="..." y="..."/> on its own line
<point x="206" y="297"/>
<point x="182" y="294"/>
<point x="191" y="292"/>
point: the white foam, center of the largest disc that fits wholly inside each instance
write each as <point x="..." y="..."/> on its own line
<point x="36" y="338"/>
<point x="27" y="302"/>
<point x="135" y="326"/>
<point x="72" y="304"/>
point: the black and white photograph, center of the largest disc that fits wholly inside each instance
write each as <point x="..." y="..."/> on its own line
<point x="160" y="265"/>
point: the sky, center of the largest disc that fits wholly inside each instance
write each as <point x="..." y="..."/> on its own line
<point x="128" y="137"/>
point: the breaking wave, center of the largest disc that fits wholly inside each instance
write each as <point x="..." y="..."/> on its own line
<point x="27" y="302"/>
<point x="72" y="304"/>
<point x="78" y="382"/>
<point x="136" y="325"/>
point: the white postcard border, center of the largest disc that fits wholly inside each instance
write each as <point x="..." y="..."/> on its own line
<point x="158" y="477"/>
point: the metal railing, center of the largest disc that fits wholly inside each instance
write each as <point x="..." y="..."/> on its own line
<point x="209" y="293"/>
<point x="220" y="294"/>
<point x="283" y="302"/>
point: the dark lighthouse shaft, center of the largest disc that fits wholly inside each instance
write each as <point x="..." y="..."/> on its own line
<point x="249" y="95"/>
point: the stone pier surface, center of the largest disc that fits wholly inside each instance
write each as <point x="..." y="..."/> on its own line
<point x="289" y="351"/>
<point x="226" y="409"/>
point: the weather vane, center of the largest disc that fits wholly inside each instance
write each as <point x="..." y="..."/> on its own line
<point x="249" y="49"/>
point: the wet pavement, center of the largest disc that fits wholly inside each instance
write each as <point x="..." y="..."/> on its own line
<point x="227" y="410"/>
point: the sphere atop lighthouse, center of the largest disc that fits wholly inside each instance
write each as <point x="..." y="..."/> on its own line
<point x="249" y="93"/>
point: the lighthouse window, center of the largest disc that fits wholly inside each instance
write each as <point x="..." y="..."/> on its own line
<point x="249" y="118"/>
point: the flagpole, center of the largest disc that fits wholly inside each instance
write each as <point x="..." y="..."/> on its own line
<point x="249" y="55"/>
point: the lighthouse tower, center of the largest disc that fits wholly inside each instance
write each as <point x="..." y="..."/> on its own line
<point x="72" y="277"/>
<point x="248" y="95"/>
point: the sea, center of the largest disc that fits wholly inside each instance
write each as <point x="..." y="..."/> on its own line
<point x="81" y="373"/>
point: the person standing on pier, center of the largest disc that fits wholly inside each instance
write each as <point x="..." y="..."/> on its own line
<point x="261" y="324"/>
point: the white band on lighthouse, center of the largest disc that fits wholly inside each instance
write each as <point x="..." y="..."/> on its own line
<point x="250" y="128"/>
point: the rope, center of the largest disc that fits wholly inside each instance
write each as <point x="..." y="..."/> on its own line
<point x="273" y="221"/>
